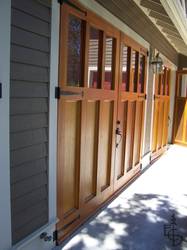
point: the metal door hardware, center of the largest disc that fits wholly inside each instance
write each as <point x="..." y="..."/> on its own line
<point x="59" y="93"/>
<point x="118" y="132"/>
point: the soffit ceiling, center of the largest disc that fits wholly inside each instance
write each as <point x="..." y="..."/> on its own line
<point x="157" y="14"/>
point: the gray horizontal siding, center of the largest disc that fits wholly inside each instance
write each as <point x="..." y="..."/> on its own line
<point x="29" y="40"/>
<point x="30" y="226"/>
<point x="29" y="112"/>
<point x="26" y="122"/>
<point x="135" y="18"/>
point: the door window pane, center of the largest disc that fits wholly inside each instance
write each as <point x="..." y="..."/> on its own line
<point x="74" y="55"/>
<point x="93" y="58"/>
<point x="125" y="68"/>
<point x="135" y="69"/>
<point x="141" y="74"/>
<point x="183" y="85"/>
<point x="108" y="76"/>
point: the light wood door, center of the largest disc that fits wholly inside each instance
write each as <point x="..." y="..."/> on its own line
<point x="161" y="114"/>
<point x="94" y="161"/>
<point x="88" y="81"/>
<point x="130" y="116"/>
<point x="180" y="113"/>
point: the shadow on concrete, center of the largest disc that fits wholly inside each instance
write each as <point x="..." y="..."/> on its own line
<point x="131" y="224"/>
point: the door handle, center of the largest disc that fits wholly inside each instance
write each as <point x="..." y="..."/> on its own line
<point x="118" y="132"/>
<point x="59" y="93"/>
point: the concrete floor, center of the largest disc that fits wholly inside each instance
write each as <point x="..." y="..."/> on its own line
<point x="135" y="219"/>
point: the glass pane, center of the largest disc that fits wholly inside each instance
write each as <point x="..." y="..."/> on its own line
<point x="183" y="85"/>
<point x="135" y="69"/>
<point x="74" y="46"/>
<point x="93" y="58"/>
<point x="108" y="77"/>
<point x="125" y="68"/>
<point x="141" y="74"/>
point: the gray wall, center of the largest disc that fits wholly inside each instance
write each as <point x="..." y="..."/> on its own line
<point x="29" y="91"/>
<point x="134" y="17"/>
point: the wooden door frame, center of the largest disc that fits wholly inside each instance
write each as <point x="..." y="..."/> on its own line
<point x="161" y="93"/>
<point x="178" y="73"/>
<point x="97" y="22"/>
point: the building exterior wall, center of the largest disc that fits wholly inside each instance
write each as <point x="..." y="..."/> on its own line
<point x="25" y="87"/>
<point x="29" y="113"/>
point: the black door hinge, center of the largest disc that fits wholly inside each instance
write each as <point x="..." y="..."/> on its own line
<point x="72" y="5"/>
<point x="55" y="235"/>
<point x="57" y="92"/>
<point x="147" y="53"/>
<point x="145" y="96"/>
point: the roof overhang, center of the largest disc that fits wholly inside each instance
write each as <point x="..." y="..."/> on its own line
<point x="169" y="16"/>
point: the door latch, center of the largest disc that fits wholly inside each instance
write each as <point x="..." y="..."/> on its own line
<point x="118" y="132"/>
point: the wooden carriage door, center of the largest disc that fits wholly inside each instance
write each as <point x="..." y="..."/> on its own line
<point x="130" y="116"/>
<point x="180" y="113"/>
<point x="161" y="113"/>
<point x="86" y="115"/>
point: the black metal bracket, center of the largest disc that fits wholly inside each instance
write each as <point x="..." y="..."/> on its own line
<point x="0" y="90"/>
<point x="57" y="92"/>
<point x="72" y="5"/>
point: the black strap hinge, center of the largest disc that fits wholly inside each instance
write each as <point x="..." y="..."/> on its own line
<point x="57" y="92"/>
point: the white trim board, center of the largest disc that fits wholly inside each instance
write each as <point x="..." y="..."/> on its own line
<point x="5" y="210"/>
<point x="54" y="56"/>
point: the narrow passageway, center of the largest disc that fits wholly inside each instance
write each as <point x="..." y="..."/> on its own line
<point x="135" y="219"/>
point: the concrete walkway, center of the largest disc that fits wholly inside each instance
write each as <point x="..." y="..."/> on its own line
<point x="135" y="219"/>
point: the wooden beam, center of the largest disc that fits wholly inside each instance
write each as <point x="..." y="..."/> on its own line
<point x="170" y="32"/>
<point x="149" y="4"/>
<point x="165" y="25"/>
<point x="161" y="17"/>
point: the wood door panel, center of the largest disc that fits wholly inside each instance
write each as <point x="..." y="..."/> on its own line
<point x="130" y="135"/>
<point x="180" y="107"/>
<point x="138" y="132"/>
<point x="165" y="129"/>
<point x="120" y="159"/>
<point x="155" y="126"/>
<point x="180" y="113"/>
<point x="161" y="114"/>
<point x="89" y="180"/>
<point x="71" y="154"/>
<point x="106" y="143"/>
<point x="160" y="124"/>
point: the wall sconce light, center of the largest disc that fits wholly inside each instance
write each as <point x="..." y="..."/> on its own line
<point x="157" y="64"/>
